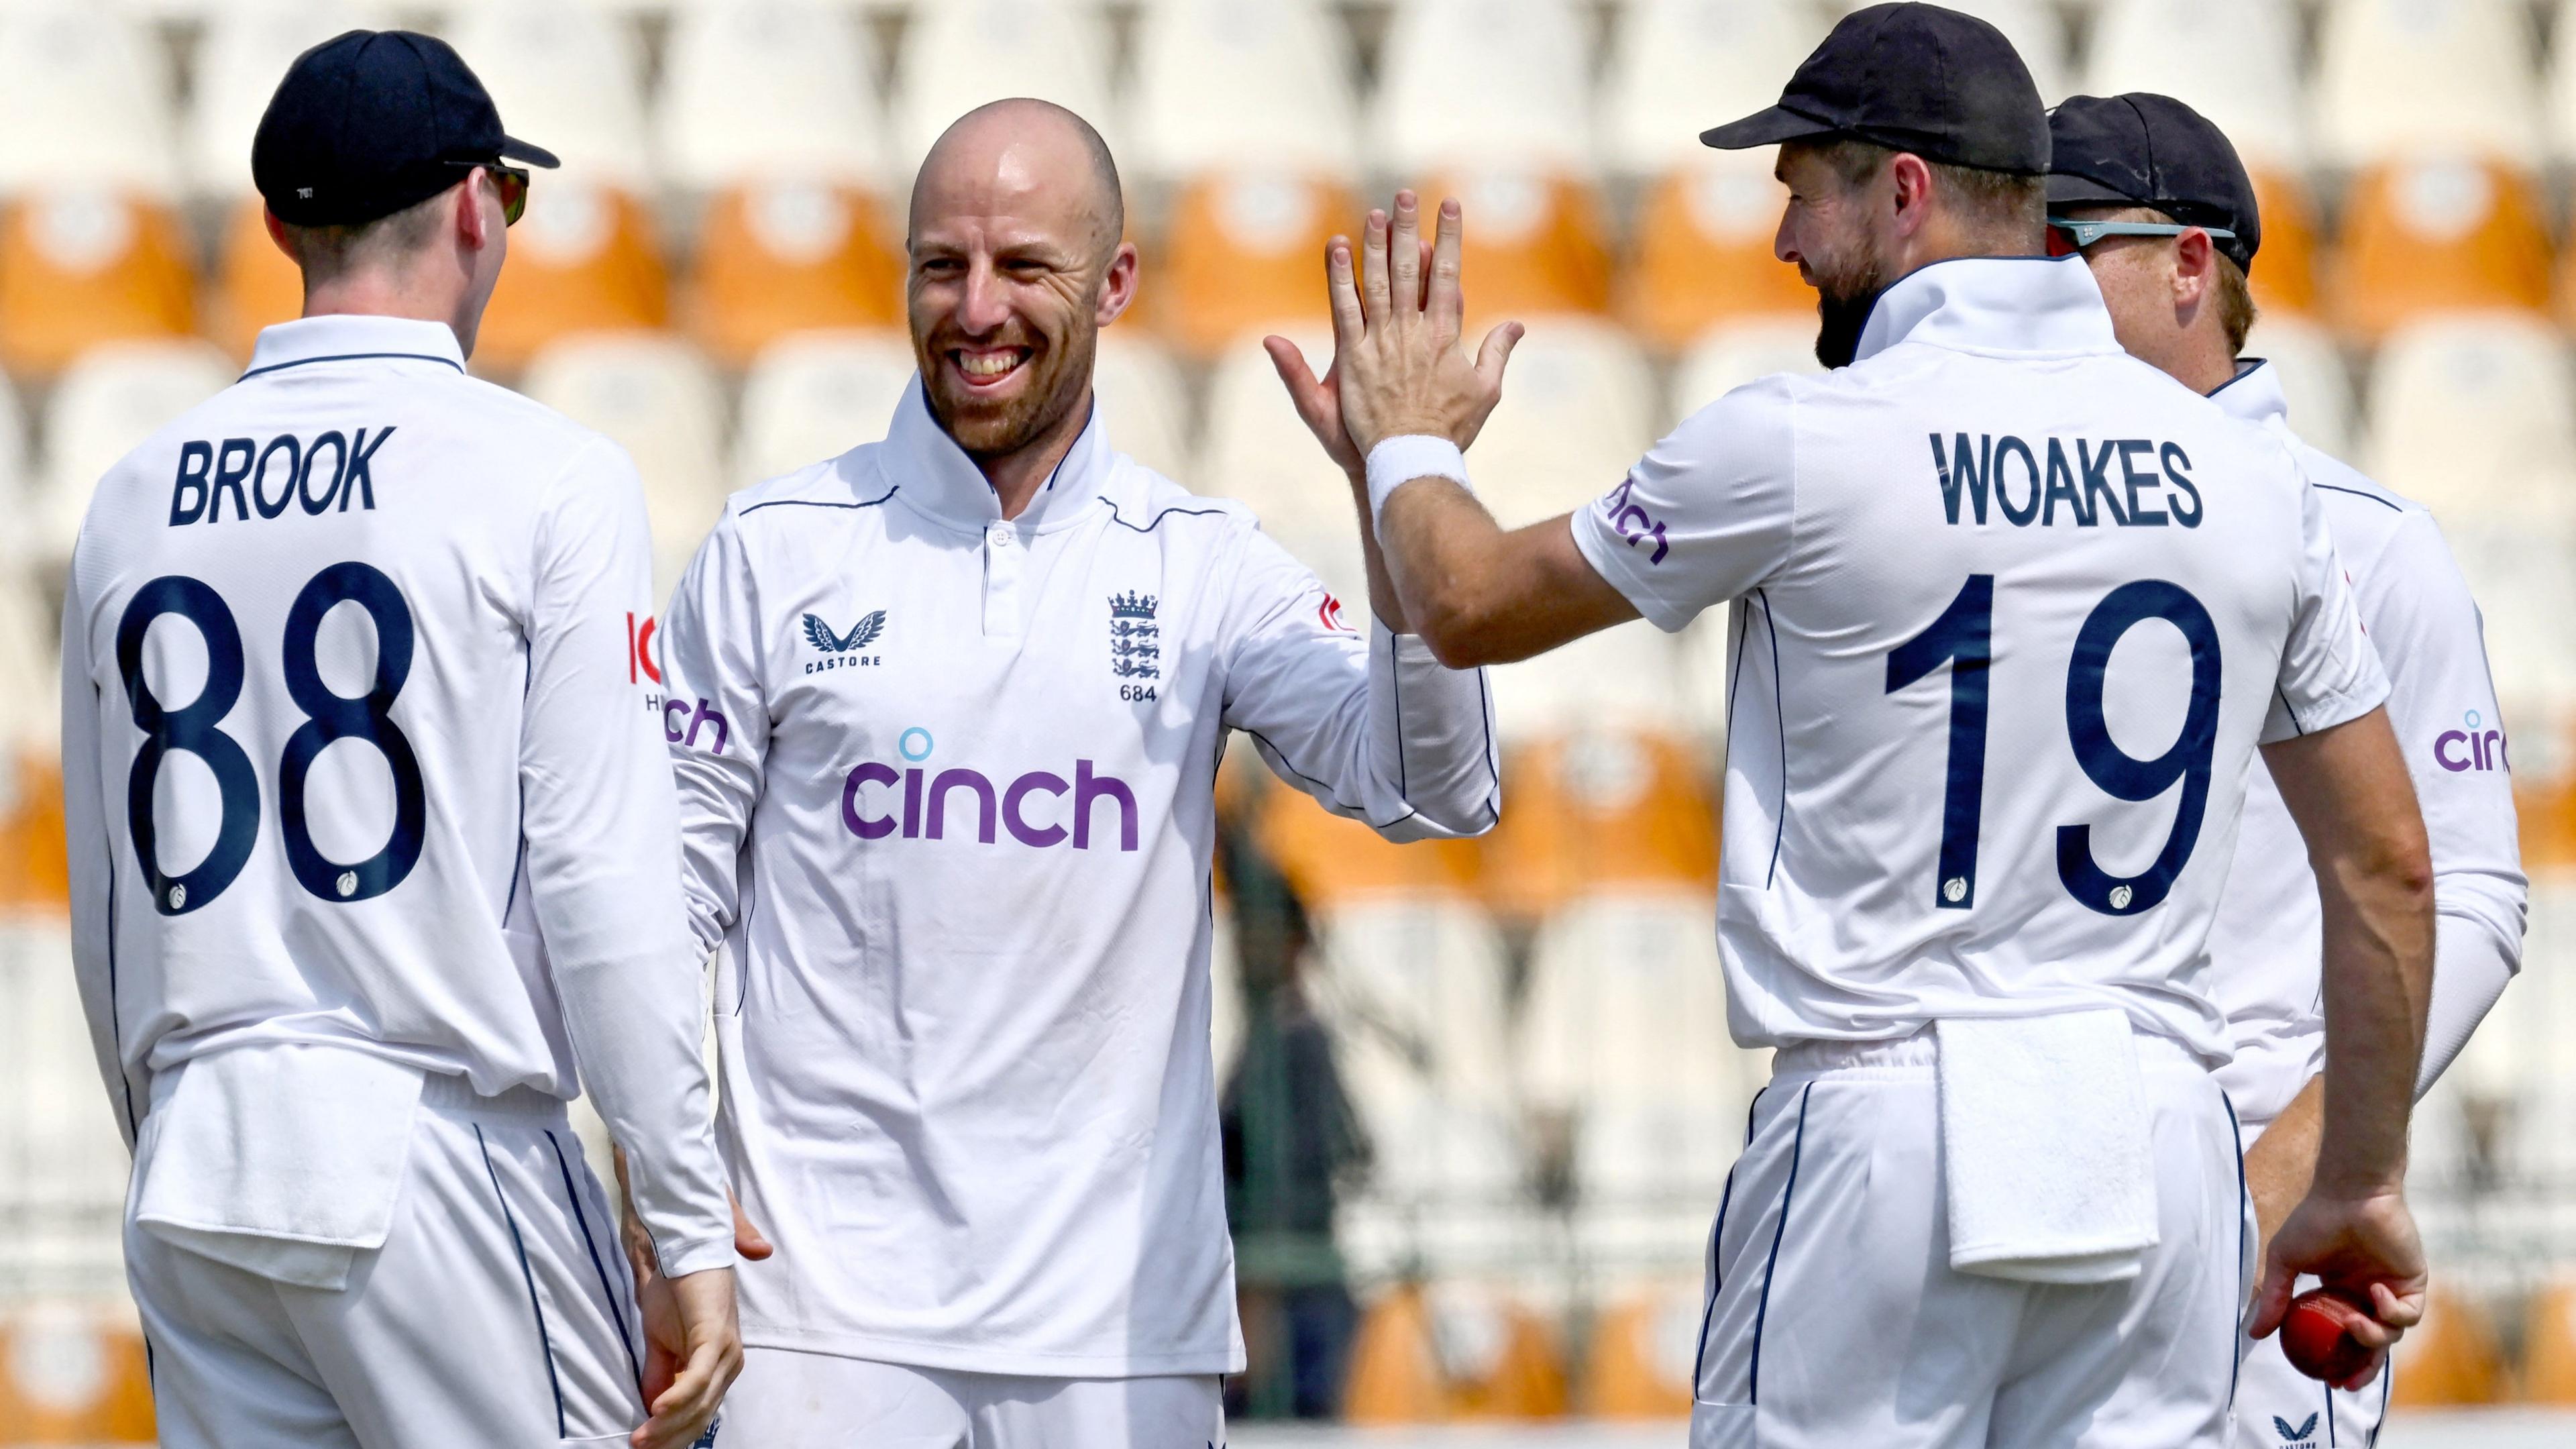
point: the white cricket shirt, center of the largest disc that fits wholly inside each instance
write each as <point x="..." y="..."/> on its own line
<point x="359" y="753"/>
<point x="947" y="793"/>
<point x="2012" y="611"/>
<point x="2266" y="949"/>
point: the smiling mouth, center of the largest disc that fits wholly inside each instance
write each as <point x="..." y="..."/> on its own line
<point x="987" y="366"/>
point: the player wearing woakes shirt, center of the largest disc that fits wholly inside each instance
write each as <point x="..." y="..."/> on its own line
<point x="2012" y="613"/>
<point x="947" y="712"/>
<point x="373" y="853"/>
<point x="2162" y="209"/>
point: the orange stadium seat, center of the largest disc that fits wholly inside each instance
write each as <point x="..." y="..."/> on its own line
<point x="2549" y="1345"/>
<point x="1640" y="1363"/>
<point x="74" y="1376"/>
<point x="2439" y="235"/>
<point x="1330" y="860"/>
<point x="779" y="258"/>
<point x="2451" y="1359"/>
<point x="2285" y="273"/>
<point x="1450" y="1352"/>
<point x="82" y="267"/>
<point x="1244" y="251"/>
<point x="1704" y="251"/>
<point x="255" y="284"/>
<point x="1535" y="243"/>
<point x="583" y="259"/>
<point x="33" y="870"/>
<point x="1604" y="809"/>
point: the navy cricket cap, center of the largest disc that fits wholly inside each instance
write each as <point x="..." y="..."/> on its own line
<point x="374" y="121"/>
<point x="2142" y="149"/>
<point x="1947" y="87"/>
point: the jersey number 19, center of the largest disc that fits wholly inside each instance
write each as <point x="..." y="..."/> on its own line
<point x="1963" y="638"/>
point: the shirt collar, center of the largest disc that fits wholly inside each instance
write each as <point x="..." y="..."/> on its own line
<point x="935" y="475"/>
<point x="2041" y="306"/>
<point x="2254" y="393"/>
<point x="349" y="338"/>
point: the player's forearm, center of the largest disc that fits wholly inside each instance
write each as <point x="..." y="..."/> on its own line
<point x="1384" y="603"/>
<point x="2280" y="1164"/>
<point x="1479" y="595"/>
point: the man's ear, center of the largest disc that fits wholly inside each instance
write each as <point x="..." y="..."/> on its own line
<point x="1117" y="285"/>
<point x="277" y="235"/>
<point x="1909" y="178"/>
<point x="2195" y="269"/>
<point x="473" y="228"/>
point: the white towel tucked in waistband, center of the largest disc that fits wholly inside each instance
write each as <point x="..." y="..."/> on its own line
<point x="2045" y="1149"/>
<point x="282" y="1161"/>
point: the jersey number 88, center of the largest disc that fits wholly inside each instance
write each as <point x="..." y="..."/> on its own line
<point x="1963" y="638"/>
<point x="196" y="729"/>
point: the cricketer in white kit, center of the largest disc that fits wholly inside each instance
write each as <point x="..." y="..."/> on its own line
<point x="2266" y="943"/>
<point x="2167" y="219"/>
<point x="2012" y="613"/>
<point x="947" y="732"/>
<point x="375" y="859"/>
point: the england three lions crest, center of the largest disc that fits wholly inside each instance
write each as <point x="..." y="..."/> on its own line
<point x="1135" y="642"/>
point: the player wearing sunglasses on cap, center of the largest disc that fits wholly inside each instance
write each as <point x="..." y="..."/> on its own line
<point x="2155" y="198"/>
<point x="417" y="881"/>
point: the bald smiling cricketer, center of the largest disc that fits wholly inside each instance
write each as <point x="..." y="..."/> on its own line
<point x="954" y="707"/>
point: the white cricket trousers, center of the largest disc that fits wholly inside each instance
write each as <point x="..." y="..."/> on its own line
<point x="2278" y="1407"/>
<point x="1835" y="1320"/>
<point x="499" y="1313"/>
<point x="788" y="1399"/>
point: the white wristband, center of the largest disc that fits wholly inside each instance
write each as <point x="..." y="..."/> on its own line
<point x="1397" y="461"/>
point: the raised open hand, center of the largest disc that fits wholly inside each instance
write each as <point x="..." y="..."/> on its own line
<point x="1398" y="365"/>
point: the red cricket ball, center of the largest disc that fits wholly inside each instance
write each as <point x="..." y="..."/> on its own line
<point x="2315" y="1334"/>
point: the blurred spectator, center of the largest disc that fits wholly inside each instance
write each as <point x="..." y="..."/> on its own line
<point x="1292" y="1140"/>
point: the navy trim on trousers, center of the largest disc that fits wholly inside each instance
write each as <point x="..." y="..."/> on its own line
<point x="616" y="1314"/>
<point x="528" y="1275"/>
<point x="2235" y="1324"/>
<point x="1762" y="1309"/>
<point x="1717" y="1245"/>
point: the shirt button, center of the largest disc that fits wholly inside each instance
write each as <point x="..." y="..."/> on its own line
<point x="1001" y="537"/>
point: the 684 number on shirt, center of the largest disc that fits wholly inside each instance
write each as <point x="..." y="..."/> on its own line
<point x="1963" y="638"/>
<point x="196" y="728"/>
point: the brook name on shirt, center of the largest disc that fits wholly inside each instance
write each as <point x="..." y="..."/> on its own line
<point x="264" y="479"/>
<point x="2124" y="482"/>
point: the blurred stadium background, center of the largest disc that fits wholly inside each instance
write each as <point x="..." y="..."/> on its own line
<point x="1480" y="1097"/>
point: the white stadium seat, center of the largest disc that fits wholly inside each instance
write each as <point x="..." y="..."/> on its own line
<point x="2402" y="77"/>
<point x="1735" y="353"/>
<point x="29" y="654"/>
<point x="1237" y="83"/>
<point x="656" y="397"/>
<point x="245" y="53"/>
<point x="2234" y="61"/>
<point x="816" y="396"/>
<point x="566" y="77"/>
<point x="1627" y="1006"/>
<point x="959" y="54"/>
<point x="104" y="405"/>
<point x="1577" y="410"/>
<point x="2314" y="380"/>
<point x="2559" y="99"/>
<point x="770" y="90"/>
<point x="2475" y="416"/>
<point x="84" y="101"/>
<point x="1257" y="452"/>
<point x="1678" y="67"/>
<point x="2033" y="28"/>
<point x="1477" y="83"/>
<point x="1137" y="386"/>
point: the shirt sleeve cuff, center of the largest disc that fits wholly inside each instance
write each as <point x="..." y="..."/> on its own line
<point x="683" y="1256"/>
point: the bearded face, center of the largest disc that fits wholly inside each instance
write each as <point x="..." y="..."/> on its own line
<point x="1846" y="289"/>
<point x="1826" y="230"/>
<point x="1001" y="389"/>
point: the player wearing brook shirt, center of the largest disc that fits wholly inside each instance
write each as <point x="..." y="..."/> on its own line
<point x="2156" y="199"/>
<point x="947" y="712"/>
<point x="2012" y="613"/>
<point x="374" y="860"/>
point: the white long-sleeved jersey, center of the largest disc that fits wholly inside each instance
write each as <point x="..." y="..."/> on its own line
<point x="2012" y="611"/>
<point x="359" y="752"/>
<point x="947" y="792"/>
<point x="2265" y="947"/>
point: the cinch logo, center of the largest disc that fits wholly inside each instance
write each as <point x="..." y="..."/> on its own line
<point x="2295" y="1437"/>
<point x="676" y="732"/>
<point x="1635" y="524"/>
<point x="925" y="801"/>
<point x="2471" y="748"/>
